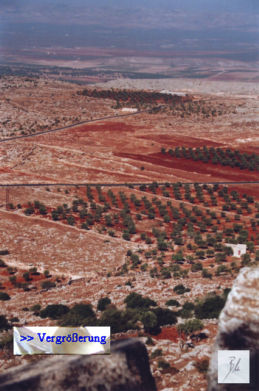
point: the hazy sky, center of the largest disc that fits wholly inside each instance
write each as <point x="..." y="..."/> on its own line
<point x="24" y="9"/>
<point x="179" y="24"/>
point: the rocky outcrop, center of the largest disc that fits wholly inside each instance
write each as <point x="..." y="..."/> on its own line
<point x="125" y="369"/>
<point x="239" y="329"/>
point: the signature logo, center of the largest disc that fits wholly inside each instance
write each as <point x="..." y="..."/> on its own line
<point x="233" y="366"/>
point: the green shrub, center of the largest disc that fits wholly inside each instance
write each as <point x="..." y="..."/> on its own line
<point x="54" y="311"/>
<point x="149" y="320"/>
<point x="4" y="252"/>
<point x="6" y="341"/>
<point x="156" y="353"/>
<point x="48" y="284"/>
<point x="202" y="365"/>
<point x="114" y="318"/>
<point x="172" y="302"/>
<point x="14" y="319"/>
<point x="144" y="267"/>
<point x="4" y="325"/>
<point x="4" y="296"/>
<point x="29" y="211"/>
<point x="221" y="269"/>
<point x="163" y="364"/>
<point x="188" y="306"/>
<point x="135" y="300"/>
<point x="185" y="314"/>
<point x="35" y="308"/>
<point x="149" y="341"/>
<point x="190" y="326"/>
<point x="26" y="276"/>
<point x="245" y="259"/>
<point x="135" y="260"/>
<point x="102" y="303"/>
<point x="165" y="273"/>
<point x="33" y="271"/>
<point x="206" y="274"/>
<point x="71" y="220"/>
<point x="2" y="263"/>
<point x="210" y="307"/>
<point x="11" y="270"/>
<point x="79" y="315"/>
<point x="126" y="235"/>
<point x="46" y="273"/>
<point x="196" y="267"/>
<point x="180" y="289"/>
<point x="165" y="316"/>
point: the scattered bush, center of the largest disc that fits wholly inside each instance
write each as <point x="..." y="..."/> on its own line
<point x="156" y="353"/>
<point x="4" y="296"/>
<point x="35" y="308"/>
<point x="4" y="252"/>
<point x="46" y="273"/>
<point x="196" y="267"/>
<point x="210" y="307"/>
<point x="54" y="311"/>
<point x="149" y="320"/>
<point x="165" y="316"/>
<point x="206" y="274"/>
<point x="172" y="302"/>
<point x="190" y="326"/>
<point x="4" y="325"/>
<point x="2" y="263"/>
<point x="6" y="341"/>
<point x="26" y="276"/>
<point x="79" y="315"/>
<point x="163" y="364"/>
<point x="180" y="289"/>
<point x="135" y="300"/>
<point x="48" y="284"/>
<point x="103" y="303"/>
<point x="202" y="365"/>
<point x="119" y="321"/>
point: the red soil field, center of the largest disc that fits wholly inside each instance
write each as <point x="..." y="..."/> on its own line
<point x="167" y="333"/>
<point x="189" y="165"/>
<point x="103" y="127"/>
<point x="174" y="141"/>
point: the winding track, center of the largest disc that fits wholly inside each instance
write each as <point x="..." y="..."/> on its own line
<point x="76" y="124"/>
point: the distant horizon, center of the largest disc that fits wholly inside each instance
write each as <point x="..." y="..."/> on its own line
<point x="62" y="33"/>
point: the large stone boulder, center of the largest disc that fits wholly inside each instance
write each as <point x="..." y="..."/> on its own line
<point x="125" y="369"/>
<point x="239" y="329"/>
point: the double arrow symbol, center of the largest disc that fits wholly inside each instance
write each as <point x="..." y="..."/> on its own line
<point x="25" y="338"/>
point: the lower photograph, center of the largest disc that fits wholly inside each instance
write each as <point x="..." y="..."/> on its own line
<point x="129" y="287"/>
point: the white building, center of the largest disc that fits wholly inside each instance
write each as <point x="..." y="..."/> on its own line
<point x="238" y="249"/>
<point x="178" y="93"/>
<point x="129" y="110"/>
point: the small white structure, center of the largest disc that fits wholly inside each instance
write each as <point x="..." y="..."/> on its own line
<point x="129" y="110"/>
<point x="178" y="93"/>
<point x="238" y="249"/>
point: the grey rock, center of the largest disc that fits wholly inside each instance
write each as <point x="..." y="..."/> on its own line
<point x="125" y="369"/>
<point x="239" y="329"/>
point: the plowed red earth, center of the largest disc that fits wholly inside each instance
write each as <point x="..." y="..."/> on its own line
<point x="175" y="141"/>
<point x="195" y="166"/>
<point x="168" y="333"/>
<point x="107" y="126"/>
